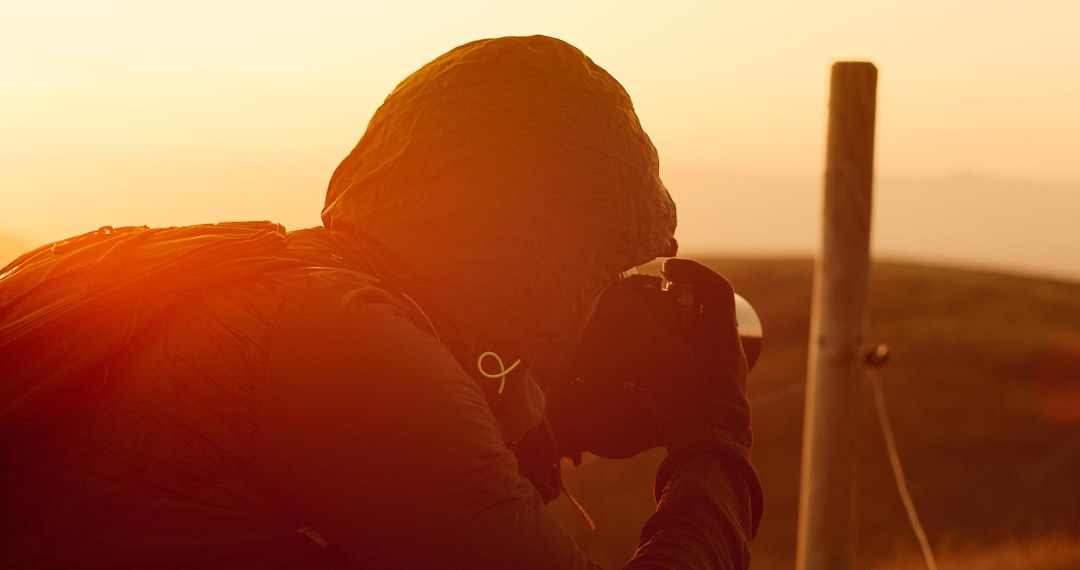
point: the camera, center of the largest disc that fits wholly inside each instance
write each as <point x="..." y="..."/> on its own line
<point x="677" y="307"/>
<point x="646" y="333"/>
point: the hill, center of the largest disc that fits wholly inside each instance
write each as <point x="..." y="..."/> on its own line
<point x="983" y="393"/>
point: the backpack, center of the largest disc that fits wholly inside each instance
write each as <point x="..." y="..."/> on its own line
<point x="66" y="307"/>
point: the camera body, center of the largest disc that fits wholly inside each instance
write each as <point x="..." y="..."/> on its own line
<point x="643" y="357"/>
<point x="677" y="308"/>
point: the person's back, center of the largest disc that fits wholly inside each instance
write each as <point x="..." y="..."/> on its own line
<point x="152" y="463"/>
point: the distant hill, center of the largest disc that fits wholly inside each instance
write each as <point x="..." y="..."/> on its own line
<point x="983" y="392"/>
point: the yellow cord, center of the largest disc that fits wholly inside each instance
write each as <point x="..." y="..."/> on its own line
<point x="503" y="370"/>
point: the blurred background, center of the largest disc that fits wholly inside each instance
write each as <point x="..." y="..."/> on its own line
<point x="172" y="112"/>
<point x="127" y="112"/>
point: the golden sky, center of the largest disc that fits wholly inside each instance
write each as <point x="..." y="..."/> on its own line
<point x="154" y="112"/>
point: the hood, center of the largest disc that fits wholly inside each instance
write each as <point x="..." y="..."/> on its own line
<point x="505" y="183"/>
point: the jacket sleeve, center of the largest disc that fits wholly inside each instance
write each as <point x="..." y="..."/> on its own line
<point x="384" y="448"/>
<point x="709" y="504"/>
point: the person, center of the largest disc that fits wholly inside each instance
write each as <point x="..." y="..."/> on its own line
<point x="367" y="403"/>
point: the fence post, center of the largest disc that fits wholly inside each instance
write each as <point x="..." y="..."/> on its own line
<point x="837" y="323"/>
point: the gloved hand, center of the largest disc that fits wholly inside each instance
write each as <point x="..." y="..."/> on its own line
<point x="643" y="377"/>
<point x="706" y="388"/>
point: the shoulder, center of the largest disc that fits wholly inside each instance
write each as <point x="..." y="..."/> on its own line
<point x="346" y="329"/>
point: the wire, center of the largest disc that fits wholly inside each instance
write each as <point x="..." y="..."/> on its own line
<point x="898" y="470"/>
<point x="874" y="359"/>
<point x="778" y="394"/>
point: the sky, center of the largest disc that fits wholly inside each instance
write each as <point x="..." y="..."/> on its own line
<point x="125" y="112"/>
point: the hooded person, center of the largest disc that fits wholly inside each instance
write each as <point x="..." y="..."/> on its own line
<point x="360" y="406"/>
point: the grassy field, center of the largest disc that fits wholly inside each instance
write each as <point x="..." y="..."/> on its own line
<point x="983" y="392"/>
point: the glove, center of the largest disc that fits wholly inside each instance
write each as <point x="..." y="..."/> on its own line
<point x="705" y="389"/>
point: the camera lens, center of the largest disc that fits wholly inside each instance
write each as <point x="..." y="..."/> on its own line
<point x="750" y="332"/>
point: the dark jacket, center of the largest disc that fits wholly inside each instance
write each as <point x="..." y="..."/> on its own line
<point x="356" y="408"/>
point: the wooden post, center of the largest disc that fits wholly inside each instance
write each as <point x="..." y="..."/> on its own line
<point x="837" y="323"/>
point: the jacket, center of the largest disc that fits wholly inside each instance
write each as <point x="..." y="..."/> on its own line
<point x="357" y="406"/>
